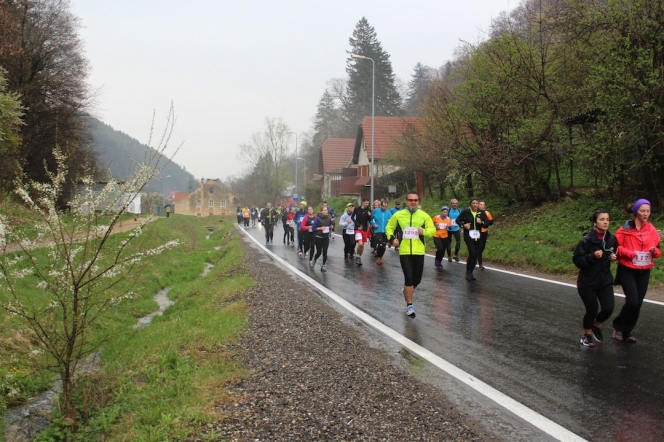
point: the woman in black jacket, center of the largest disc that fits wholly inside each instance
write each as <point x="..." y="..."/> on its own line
<point x="593" y="256"/>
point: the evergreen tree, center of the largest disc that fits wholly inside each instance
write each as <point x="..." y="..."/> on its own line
<point x="417" y="87"/>
<point x="357" y="103"/>
<point x="327" y="122"/>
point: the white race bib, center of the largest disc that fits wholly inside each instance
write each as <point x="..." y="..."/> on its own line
<point x="442" y="226"/>
<point x="454" y="222"/>
<point x="474" y="234"/>
<point x="411" y="233"/>
<point x="326" y="230"/>
<point x="642" y="259"/>
<point x="358" y="236"/>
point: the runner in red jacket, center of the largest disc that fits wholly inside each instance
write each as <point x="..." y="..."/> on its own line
<point x="638" y="246"/>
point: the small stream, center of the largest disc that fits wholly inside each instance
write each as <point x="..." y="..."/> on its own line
<point x="22" y="424"/>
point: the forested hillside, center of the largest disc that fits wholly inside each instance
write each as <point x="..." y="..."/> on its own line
<point x="119" y="153"/>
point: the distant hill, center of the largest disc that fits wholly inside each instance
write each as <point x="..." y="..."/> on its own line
<point x="119" y="153"/>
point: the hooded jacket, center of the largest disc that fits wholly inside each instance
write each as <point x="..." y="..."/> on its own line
<point x="634" y="244"/>
<point x="594" y="273"/>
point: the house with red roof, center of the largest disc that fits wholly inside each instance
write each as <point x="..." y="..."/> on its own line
<point x="346" y="163"/>
<point x="336" y="163"/>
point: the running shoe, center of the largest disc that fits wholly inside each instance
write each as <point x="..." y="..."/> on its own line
<point x="322" y="268"/>
<point x="358" y="261"/>
<point x="449" y="259"/>
<point x="627" y="336"/>
<point x="587" y="341"/>
<point x="379" y="261"/>
<point x="410" y="310"/>
<point x="437" y="264"/>
<point x="470" y="276"/>
<point x="312" y="263"/>
<point x="456" y="258"/>
<point x="597" y="334"/>
<point x="617" y="335"/>
<point x="481" y="267"/>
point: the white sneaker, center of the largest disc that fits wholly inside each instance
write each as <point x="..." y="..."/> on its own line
<point x="410" y="311"/>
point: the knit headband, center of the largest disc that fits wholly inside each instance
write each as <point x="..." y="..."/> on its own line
<point x="639" y="203"/>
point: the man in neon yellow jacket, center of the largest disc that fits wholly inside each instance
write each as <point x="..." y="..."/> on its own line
<point x="415" y="225"/>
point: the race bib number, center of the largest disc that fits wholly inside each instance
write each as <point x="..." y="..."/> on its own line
<point x="454" y="222"/>
<point x="326" y="230"/>
<point x="642" y="259"/>
<point x="474" y="234"/>
<point x="442" y="226"/>
<point x="358" y="236"/>
<point x="411" y="233"/>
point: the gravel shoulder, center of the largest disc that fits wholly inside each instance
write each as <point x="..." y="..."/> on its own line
<point x="314" y="377"/>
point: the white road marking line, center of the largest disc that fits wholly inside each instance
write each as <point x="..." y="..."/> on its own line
<point x="546" y="425"/>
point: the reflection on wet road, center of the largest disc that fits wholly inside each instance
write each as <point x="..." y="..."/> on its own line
<point x="516" y="334"/>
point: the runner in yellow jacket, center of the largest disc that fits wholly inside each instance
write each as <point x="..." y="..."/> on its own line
<point x="415" y="225"/>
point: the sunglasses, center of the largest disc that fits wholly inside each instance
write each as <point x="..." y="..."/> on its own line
<point x="412" y="200"/>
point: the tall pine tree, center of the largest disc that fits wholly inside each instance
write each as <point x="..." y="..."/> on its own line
<point x="327" y="122"/>
<point x="417" y="87"/>
<point x="357" y="103"/>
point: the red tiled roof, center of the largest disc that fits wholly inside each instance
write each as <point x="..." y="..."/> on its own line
<point x="388" y="130"/>
<point x="337" y="153"/>
<point x="177" y="196"/>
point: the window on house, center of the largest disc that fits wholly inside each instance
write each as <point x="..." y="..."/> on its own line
<point x="223" y="203"/>
<point x="198" y="204"/>
<point x="211" y="203"/>
<point x="211" y="189"/>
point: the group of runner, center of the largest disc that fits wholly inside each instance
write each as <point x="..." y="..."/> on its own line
<point x="381" y="227"/>
<point x="634" y="246"/>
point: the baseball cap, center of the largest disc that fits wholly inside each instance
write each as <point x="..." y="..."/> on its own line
<point x="303" y="202"/>
<point x="350" y="205"/>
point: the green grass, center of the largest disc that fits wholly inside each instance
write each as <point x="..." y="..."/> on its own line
<point x="162" y="381"/>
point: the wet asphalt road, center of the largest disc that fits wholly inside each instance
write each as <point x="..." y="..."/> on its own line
<point x="519" y="335"/>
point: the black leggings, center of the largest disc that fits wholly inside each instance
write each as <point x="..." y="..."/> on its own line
<point x="442" y="244"/>
<point x="349" y="244"/>
<point x="309" y="245"/>
<point x="321" y="247"/>
<point x="269" y="232"/>
<point x="380" y="242"/>
<point x="413" y="267"/>
<point x="590" y="298"/>
<point x="473" y="247"/>
<point x="288" y="234"/>
<point x="635" y="285"/>
<point x="457" y="237"/>
<point x="483" y="237"/>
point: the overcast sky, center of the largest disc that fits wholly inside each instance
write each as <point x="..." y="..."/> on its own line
<point x="227" y="65"/>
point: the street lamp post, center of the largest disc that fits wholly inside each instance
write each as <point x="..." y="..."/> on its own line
<point x="305" y="172"/>
<point x="373" y="114"/>
<point x="296" y="158"/>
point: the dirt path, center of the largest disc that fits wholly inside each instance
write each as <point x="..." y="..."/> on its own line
<point x="120" y="227"/>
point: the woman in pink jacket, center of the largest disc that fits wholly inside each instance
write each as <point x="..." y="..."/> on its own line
<point x="638" y="246"/>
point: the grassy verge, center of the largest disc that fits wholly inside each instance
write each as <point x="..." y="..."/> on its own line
<point x="160" y="382"/>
